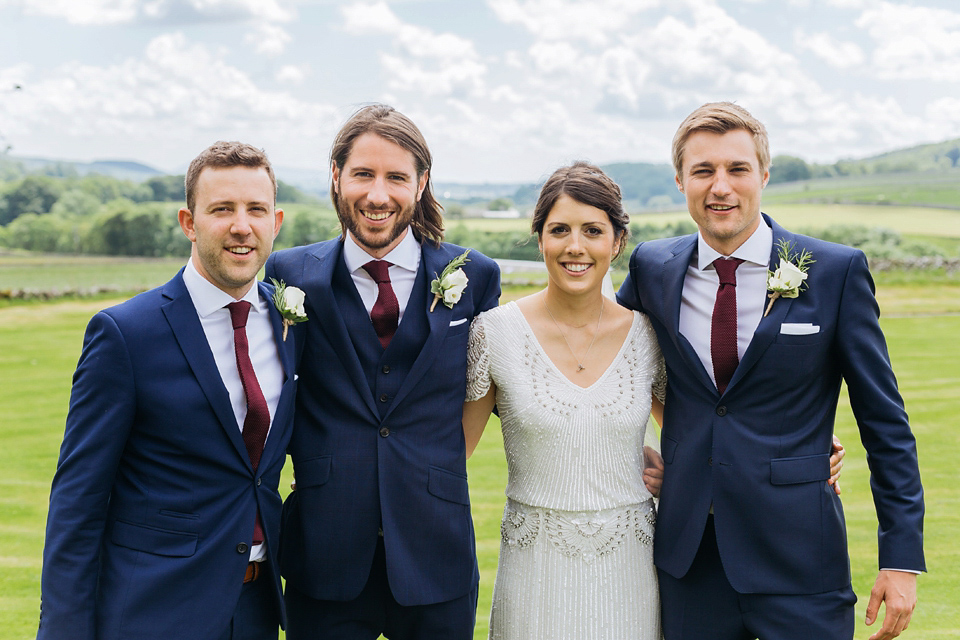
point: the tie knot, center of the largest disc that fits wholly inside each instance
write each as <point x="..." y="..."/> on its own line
<point x="727" y="270"/>
<point x="378" y="270"/>
<point x="239" y="311"/>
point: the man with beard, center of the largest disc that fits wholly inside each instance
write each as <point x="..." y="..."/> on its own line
<point x="378" y="538"/>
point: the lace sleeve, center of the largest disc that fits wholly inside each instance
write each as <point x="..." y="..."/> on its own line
<point x="659" y="383"/>
<point x="478" y="361"/>
<point x="660" y="380"/>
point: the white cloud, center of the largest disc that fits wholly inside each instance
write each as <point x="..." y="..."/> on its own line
<point x="268" y="39"/>
<point x="293" y="74"/>
<point x="177" y="91"/>
<point x="112" y="12"/>
<point x="593" y="22"/>
<point x="916" y="43"/>
<point x="836" y="53"/>
<point x="423" y="61"/>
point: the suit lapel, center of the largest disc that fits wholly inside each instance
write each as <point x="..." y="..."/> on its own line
<point x="674" y="274"/>
<point x="433" y="261"/>
<point x="318" y="285"/>
<point x="286" y="350"/>
<point x="185" y="324"/>
<point x="769" y="326"/>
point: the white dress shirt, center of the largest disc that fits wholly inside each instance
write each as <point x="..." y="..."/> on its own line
<point x="700" y="292"/>
<point x="404" y="259"/>
<point x="211" y="304"/>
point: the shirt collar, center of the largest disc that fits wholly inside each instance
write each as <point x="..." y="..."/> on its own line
<point x="405" y="255"/>
<point x="208" y="297"/>
<point x="755" y="249"/>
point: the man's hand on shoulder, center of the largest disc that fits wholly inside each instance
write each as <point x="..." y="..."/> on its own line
<point x="898" y="591"/>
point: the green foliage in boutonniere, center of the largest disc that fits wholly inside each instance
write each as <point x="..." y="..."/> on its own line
<point x="289" y="302"/>
<point x="449" y="285"/>
<point x="788" y="280"/>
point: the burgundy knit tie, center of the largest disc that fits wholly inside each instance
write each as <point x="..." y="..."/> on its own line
<point x="385" y="314"/>
<point x="257" y="422"/>
<point x="723" y="328"/>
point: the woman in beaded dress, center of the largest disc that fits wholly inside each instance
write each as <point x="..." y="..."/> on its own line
<point x="574" y="376"/>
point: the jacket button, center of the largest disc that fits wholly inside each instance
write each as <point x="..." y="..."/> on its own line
<point x="243" y="548"/>
<point x="721" y="411"/>
<point x="710" y="461"/>
<point x="384" y="432"/>
<point x="383" y="397"/>
<point x="386" y="368"/>
<point x="258" y="482"/>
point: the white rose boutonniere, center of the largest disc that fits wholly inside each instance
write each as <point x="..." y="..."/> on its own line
<point x="789" y="278"/>
<point x="449" y="285"/>
<point x="289" y="302"/>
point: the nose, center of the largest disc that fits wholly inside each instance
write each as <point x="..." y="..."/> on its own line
<point x="721" y="183"/>
<point x="575" y="245"/>
<point x="378" y="193"/>
<point x="241" y="223"/>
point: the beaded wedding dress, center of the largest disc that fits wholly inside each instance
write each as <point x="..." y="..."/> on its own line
<point x="576" y="550"/>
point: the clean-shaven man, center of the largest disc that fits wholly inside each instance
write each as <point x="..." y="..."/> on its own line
<point x="750" y="541"/>
<point x="164" y="511"/>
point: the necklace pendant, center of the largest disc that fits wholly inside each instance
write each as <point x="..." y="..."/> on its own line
<point x="580" y="368"/>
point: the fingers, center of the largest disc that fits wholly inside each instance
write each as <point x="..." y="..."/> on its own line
<point x="653" y="480"/>
<point x="898" y="591"/>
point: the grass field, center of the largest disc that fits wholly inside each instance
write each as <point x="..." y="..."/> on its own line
<point x="40" y="343"/>
<point x="914" y="221"/>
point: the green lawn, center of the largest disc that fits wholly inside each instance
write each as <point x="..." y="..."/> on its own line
<point x="40" y="343"/>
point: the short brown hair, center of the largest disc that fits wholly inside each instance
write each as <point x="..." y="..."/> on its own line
<point x="589" y="185"/>
<point x="721" y="117"/>
<point x="223" y="155"/>
<point x="390" y="124"/>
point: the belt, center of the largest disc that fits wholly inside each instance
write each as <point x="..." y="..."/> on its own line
<point x="253" y="572"/>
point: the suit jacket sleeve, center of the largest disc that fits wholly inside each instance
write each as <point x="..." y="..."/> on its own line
<point x="627" y="295"/>
<point x="882" y="421"/>
<point x="98" y="424"/>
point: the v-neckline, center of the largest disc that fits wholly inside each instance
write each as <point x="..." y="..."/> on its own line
<point x="546" y="356"/>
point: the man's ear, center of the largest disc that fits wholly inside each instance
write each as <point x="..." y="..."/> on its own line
<point x="277" y="222"/>
<point x="335" y="176"/>
<point x="766" y="178"/>
<point x="422" y="183"/>
<point x="676" y="178"/>
<point x="185" y="217"/>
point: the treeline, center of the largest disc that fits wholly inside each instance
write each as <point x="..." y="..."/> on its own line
<point x="942" y="156"/>
<point x="101" y="215"/>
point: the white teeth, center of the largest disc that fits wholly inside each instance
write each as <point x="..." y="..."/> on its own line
<point x="721" y="207"/>
<point x="577" y="267"/>
<point x="376" y="216"/>
<point x="240" y="250"/>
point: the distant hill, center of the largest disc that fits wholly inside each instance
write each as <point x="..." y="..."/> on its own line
<point x="119" y="169"/>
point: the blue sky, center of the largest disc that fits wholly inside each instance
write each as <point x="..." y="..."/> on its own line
<point x="504" y="90"/>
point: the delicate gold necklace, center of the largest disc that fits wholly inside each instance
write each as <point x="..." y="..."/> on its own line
<point x="580" y="366"/>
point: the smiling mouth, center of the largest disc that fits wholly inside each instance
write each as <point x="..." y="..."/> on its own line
<point x="721" y="208"/>
<point x="376" y="216"/>
<point x="240" y="251"/>
<point x="576" y="267"/>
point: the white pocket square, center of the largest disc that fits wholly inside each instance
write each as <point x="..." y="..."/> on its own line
<point x="454" y="323"/>
<point x="799" y="328"/>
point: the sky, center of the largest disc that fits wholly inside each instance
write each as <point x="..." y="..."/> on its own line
<point x="503" y="90"/>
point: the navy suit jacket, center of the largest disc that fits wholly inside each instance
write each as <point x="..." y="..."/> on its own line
<point x="385" y="456"/>
<point x="759" y="453"/>
<point x="153" y="503"/>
